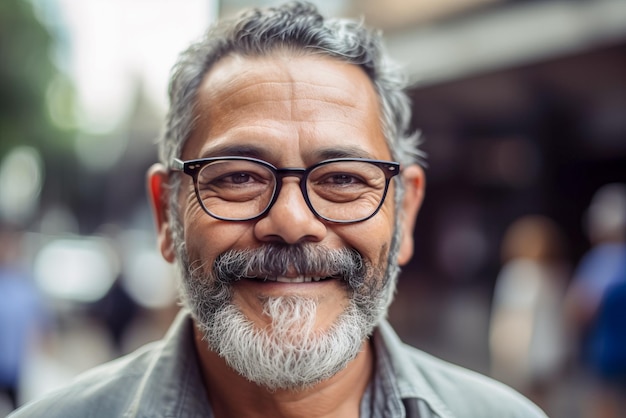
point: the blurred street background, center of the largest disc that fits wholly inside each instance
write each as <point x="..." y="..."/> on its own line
<point x="522" y="109"/>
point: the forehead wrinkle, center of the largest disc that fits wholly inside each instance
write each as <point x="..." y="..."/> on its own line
<point x="244" y="117"/>
<point x="274" y="66"/>
<point x="295" y="91"/>
<point x="261" y="80"/>
<point x="229" y="92"/>
<point x="336" y="97"/>
<point x="293" y="112"/>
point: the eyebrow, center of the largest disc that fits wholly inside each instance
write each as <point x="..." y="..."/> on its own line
<point x="342" y="152"/>
<point x="236" y="150"/>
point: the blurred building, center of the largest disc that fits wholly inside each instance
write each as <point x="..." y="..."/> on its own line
<point x="520" y="103"/>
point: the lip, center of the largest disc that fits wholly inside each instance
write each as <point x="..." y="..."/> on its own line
<point x="261" y="287"/>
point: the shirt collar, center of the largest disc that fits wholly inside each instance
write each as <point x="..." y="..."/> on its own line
<point x="172" y="383"/>
<point x="409" y="380"/>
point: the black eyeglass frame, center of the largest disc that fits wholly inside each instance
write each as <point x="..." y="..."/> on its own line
<point x="193" y="167"/>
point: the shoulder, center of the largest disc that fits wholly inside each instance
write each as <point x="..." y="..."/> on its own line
<point x="159" y="379"/>
<point x="466" y="393"/>
<point x="104" y="391"/>
<point x="451" y="390"/>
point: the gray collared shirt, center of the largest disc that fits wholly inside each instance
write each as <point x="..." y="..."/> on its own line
<point x="163" y="380"/>
<point x="382" y="399"/>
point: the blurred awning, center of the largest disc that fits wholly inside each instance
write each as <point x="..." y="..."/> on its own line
<point x="505" y="36"/>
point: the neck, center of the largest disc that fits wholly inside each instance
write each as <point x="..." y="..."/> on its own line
<point x="231" y="395"/>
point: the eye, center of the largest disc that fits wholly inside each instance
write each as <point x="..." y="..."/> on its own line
<point x="337" y="178"/>
<point x="237" y="178"/>
<point x="341" y="178"/>
<point x="234" y="174"/>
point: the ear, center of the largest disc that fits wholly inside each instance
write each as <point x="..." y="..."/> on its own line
<point x="158" y="193"/>
<point x="414" y="185"/>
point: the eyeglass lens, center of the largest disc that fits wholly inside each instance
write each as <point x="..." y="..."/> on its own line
<point x="340" y="190"/>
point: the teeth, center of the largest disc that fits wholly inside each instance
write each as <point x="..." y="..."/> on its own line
<point x="299" y="279"/>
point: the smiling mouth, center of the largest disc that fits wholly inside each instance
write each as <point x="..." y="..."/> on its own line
<point x="299" y="279"/>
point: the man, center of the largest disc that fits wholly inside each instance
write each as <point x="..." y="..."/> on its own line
<point x="287" y="192"/>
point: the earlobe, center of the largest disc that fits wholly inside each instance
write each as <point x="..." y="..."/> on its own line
<point x="414" y="185"/>
<point x="158" y="194"/>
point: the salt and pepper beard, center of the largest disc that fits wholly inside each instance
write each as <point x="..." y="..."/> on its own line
<point x="291" y="354"/>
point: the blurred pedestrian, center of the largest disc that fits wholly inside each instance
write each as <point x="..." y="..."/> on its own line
<point x="596" y="302"/>
<point x="21" y="314"/>
<point x="528" y="339"/>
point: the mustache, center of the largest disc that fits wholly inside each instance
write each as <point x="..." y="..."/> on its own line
<point x="308" y="260"/>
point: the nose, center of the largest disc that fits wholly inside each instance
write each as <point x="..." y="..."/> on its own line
<point x="290" y="220"/>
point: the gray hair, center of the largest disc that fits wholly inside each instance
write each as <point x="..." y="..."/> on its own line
<point x="298" y="28"/>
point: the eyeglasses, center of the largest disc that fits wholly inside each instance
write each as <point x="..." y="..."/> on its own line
<point x="341" y="190"/>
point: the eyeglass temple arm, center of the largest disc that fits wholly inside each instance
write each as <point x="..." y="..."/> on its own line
<point x="177" y="165"/>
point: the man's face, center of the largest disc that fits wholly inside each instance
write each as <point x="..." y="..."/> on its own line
<point x="291" y="112"/>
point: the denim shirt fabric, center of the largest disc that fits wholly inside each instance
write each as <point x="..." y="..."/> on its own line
<point x="163" y="379"/>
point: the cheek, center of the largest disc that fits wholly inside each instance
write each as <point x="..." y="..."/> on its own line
<point x="206" y="237"/>
<point x="371" y="238"/>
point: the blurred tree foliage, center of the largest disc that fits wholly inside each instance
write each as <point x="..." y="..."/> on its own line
<point x="26" y="73"/>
